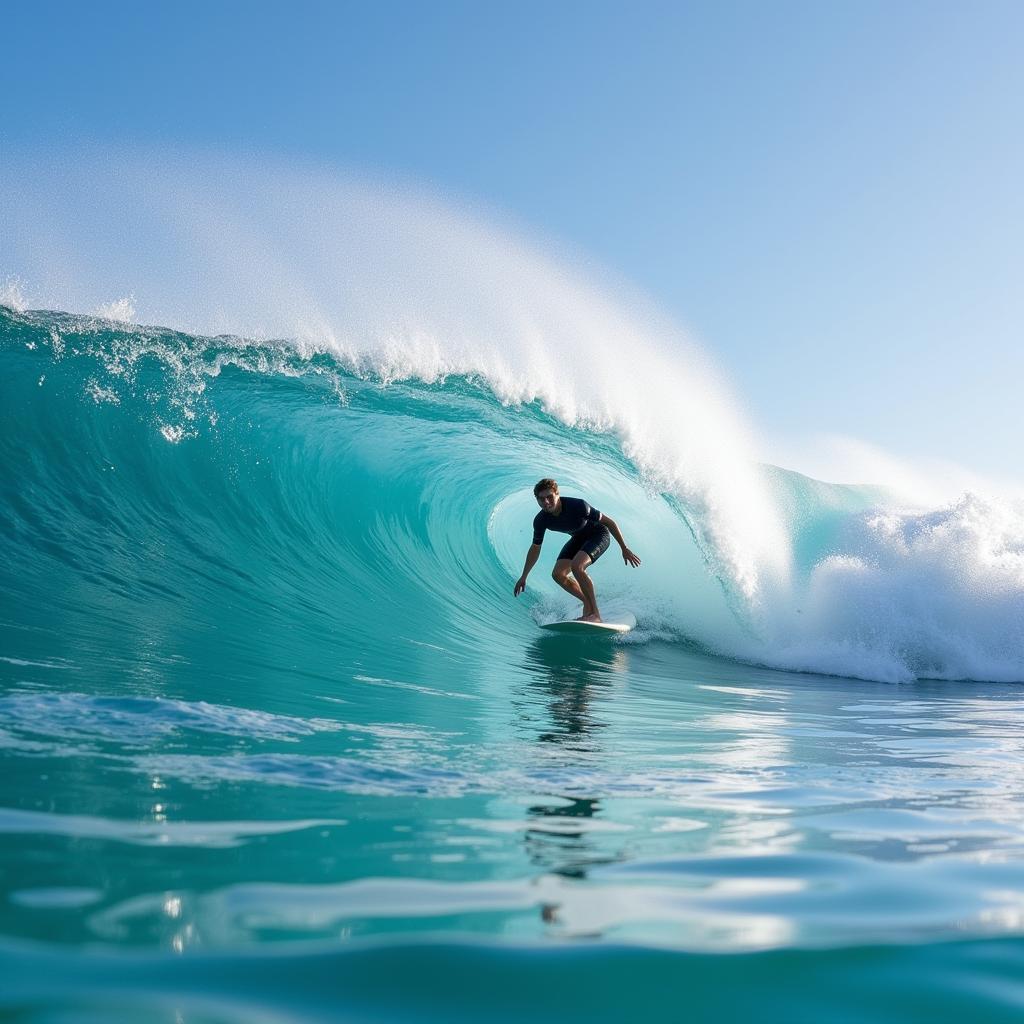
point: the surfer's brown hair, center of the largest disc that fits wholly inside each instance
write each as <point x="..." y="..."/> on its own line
<point x="547" y="484"/>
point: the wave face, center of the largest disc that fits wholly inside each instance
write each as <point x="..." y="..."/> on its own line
<point x="260" y="489"/>
<point x="263" y="684"/>
<point x="254" y="493"/>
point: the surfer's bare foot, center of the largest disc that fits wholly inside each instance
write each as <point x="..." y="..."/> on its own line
<point x="591" y="618"/>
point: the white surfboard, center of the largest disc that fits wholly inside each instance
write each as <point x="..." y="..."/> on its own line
<point x="592" y="628"/>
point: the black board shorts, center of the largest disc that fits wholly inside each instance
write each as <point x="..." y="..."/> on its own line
<point x="593" y="539"/>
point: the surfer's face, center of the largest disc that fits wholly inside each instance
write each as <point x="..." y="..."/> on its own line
<point x="548" y="500"/>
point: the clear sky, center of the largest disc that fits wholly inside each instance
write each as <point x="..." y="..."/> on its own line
<point x="828" y="195"/>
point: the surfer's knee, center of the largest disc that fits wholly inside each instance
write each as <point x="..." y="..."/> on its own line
<point x="560" y="573"/>
<point x="580" y="565"/>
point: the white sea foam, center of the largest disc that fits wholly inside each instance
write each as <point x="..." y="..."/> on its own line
<point x="121" y="310"/>
<point x="12" y="295"/>
<point x="912" y="594"/>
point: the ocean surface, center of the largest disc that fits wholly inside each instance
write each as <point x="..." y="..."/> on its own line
<point x="277" y="743"/>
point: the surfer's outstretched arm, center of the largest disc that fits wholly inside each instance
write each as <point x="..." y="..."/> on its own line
<point x="613" y="529"/>
<point x="531" y="560"/>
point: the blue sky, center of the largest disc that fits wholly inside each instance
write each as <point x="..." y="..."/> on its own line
<point x="828" y="195"/>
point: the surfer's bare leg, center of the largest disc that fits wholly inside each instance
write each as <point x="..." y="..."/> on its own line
<point x="561" y="574"/>
<point x="586" y="585"/>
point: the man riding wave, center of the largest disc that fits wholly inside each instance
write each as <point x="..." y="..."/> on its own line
<point x="590" y="534"/>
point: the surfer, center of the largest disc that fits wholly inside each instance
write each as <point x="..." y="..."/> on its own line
<point x="590" y="534"/>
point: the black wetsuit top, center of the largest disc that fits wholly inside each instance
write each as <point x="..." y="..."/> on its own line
<point x="576" y="515"/>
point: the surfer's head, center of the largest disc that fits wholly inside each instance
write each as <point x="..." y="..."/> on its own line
<point x="546" y="493"/>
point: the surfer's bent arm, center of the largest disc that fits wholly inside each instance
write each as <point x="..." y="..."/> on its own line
<point x="613" y="529"/>
<point x="531" y="560"/>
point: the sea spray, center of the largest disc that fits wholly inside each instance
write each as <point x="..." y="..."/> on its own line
<point x="400" y="285"/>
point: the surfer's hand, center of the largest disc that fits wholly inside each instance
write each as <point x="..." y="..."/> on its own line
<point x="520" y="586"/>
<point x="630" y="558"/>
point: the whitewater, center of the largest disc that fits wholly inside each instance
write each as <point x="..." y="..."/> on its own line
<point x="269" y="709"/>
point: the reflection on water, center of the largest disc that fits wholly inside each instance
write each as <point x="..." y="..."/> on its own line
<point x="584" y="789"/>
<point x="555" y="845"/>
<point x="568" y="675"/>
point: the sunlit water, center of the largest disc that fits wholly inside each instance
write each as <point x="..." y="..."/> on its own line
<point x="277" y="742"/>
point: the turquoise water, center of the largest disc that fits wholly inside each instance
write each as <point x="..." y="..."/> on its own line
<point x="278" y="743"/>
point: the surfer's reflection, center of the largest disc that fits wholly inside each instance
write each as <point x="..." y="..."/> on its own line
<point x="573" y="680"/>
<point x="571" y="675"/>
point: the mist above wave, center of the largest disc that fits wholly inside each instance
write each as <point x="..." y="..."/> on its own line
<point x="405" y="285"/>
